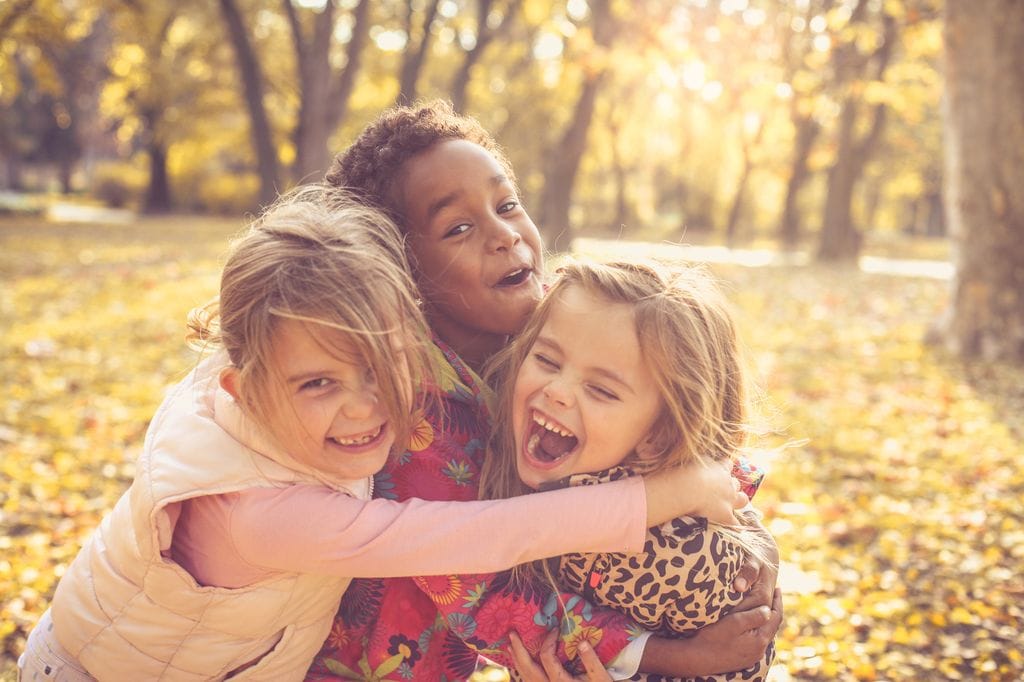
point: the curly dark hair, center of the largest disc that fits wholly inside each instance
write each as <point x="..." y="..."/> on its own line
<point x="371" y="165"/>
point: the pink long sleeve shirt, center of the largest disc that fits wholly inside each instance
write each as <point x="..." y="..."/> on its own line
<point x="237" y="539"/>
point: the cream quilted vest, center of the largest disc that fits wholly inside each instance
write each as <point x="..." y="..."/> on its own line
<point x="127" y="613"/>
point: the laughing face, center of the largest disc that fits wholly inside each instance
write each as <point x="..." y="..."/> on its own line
<point x="584" y="398"/>
<point x="476" y="254"/>
<point x="337" y="423"/>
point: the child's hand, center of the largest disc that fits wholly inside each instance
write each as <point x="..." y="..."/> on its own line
<point x="757" y="577"/>
<point x="698" y="489"/>
<point x="736" y="641"/>
<point x="721" y="495"/>
<point x="553" y="670"/>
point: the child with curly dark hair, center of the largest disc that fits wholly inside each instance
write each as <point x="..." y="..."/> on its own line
<point x="477" y="261"/>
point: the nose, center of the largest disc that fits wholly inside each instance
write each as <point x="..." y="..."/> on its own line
<point x="502" y="236"/>
<point x="360" y="403"/>
<point x="559" y="391"/>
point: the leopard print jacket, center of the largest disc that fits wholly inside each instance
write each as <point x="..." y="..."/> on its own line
<point x="680" y="582"/>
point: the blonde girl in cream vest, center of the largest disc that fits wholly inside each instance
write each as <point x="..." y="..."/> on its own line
<point x="251" y="509"/>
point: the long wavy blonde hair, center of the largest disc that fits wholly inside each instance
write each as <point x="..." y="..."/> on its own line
<point x="321" y="258"/>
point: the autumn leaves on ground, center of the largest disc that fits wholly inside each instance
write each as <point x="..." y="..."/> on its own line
<point x="898" y="515"/>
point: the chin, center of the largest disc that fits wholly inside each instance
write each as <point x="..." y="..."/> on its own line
<point x="531" y="479"/>
<point x="366" y="467"/>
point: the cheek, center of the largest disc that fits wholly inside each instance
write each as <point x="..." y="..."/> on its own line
<point x="311" y="417"/>
<point x="440" y="268"/>
<point x="533" y="239"/>
<point x="423" y="263"/>
<point x="520" y="396"/>
<point x="300" y="426"/>
<point x="517" y="405"/>
<point x="526" y="382"/>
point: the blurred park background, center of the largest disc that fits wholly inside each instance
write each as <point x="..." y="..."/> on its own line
<point x="854" y="170"/>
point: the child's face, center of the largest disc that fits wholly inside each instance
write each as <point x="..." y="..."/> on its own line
<point x="584" y="398"/>
<point x="337" y="423"/>
<point x="476" y="253"/>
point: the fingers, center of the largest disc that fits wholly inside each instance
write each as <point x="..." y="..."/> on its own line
<point x="774" y="622"/>
<point x="748" y="574"/>
<point x="549" y="657"/>
<point x="529" y="671"/>
<point x="552" y="670"/>
<point x="739" y="622"/>
<point x="722" y="510"/>
<point x="740" y="498"/>
<point x="595" y="671"/>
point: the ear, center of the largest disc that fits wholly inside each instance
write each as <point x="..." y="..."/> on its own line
<point x="229" y="380"/>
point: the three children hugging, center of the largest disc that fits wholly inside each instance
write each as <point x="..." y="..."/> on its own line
<point x="335" y="444"/>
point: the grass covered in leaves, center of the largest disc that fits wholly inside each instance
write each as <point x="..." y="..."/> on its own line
<point x="899" y="519"/>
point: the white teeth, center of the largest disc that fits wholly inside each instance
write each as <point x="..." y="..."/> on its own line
<point x="531" y="445"/>
<point x="551" y="426"/>
<point x="362" y="440"/>
<point x="511" y="275"/>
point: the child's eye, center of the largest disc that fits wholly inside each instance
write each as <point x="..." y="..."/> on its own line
<point x="545" y="361"/>
<point x="602" y="392"/>
<point x="508" y="206"/>
<point x="314" y="384"/>
<point x="457" y="230"/>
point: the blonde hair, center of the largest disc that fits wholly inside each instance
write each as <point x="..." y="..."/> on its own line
<point x="323" y="259"/>
<point x="687" y="337"/>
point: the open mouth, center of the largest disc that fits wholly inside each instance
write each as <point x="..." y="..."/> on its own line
<point x="515" y="278"/>
<point x="547" y="441"/>
<point x="359" y="440"/>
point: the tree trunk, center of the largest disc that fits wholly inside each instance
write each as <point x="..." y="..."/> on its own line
<point x="563" y="161"/>
<point x="736" y="209"/>
<point x="415" y="55"/>
<point x="313" y="59"/>
<point x="322" y="107"/>
<point x="622" y="209"/>
<point x="484" y="35"/>
<point x="840" y="240"/>
<point x="158" y="195"/>
<point x="345" y="85"/>
<point x="985" y="177"/>
<point x="807" y="130"/>
<point x="14" y="180"/>
<point x="65" y="170"/>
<point x="935" y="224"/>
<point x="460" y="82"/>
<point x="563" y="164"/>
<point x="252" y="88"/>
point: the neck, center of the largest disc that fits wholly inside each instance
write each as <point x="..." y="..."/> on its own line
<point x="473" y="346"/>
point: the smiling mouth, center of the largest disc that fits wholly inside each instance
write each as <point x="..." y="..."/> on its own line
<point x="547" y="441"/>
<point x="356" y="441"/>
<point x="515" y="278"/>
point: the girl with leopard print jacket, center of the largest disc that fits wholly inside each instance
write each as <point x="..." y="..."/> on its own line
<point x="627" y="368"/>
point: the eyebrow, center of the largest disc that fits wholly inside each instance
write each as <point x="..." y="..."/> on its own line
<point x="600" y="371"/>
<point x="448" y="199"/>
